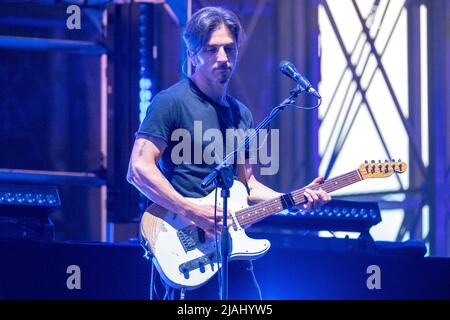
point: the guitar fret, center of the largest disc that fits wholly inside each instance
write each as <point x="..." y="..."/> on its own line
<point x="259" y="211"/>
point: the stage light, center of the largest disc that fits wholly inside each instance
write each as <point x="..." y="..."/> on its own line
<point x="337" y="215"/>
<point x="25" y="210"/>
<point x="145" y="83"/>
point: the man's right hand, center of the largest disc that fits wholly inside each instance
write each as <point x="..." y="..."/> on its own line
<point x="203" y="216"/>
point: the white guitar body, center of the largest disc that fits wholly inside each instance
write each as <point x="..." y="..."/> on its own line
<point x="186" y="259"/>
<point x="182" y="256"/>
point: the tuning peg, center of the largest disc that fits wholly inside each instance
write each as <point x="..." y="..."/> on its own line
<point x="386" y="168"/>
<point x="393" y="160"/>
<point x="372" y="161"/>
<point x="399" y="160"/>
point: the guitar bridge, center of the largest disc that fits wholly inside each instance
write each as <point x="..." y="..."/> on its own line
<point x="190" y="237"/>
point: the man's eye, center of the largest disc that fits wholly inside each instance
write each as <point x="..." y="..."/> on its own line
<point x="211" y="50"/>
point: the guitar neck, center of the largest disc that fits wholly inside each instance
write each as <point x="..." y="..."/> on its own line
<point x="267" y="208"/>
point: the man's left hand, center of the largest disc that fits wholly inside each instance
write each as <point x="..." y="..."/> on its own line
<point x="316" y="198"/>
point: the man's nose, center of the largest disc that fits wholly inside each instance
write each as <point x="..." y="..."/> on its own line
<point x="222" y="55"/>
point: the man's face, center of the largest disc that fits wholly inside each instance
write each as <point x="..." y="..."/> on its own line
<point x="217" y="59"/>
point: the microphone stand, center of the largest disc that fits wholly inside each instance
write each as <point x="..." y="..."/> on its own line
<point x="223" y="177"/>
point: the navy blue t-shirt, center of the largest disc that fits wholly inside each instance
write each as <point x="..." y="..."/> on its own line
<point x="183" y="106"/>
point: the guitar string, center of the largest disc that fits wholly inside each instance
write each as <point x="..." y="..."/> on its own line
<point x="274" y="206"/>
<point x="252" y="214"/>
<point x="256" y="214"/>
<point x="325" y="184"/>
<point x="275" y="203"/>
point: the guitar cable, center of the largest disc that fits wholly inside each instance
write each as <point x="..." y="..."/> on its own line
<point x="152" y="281"/>
<point x="255" y="282"/>
<point x="148" y="256"/>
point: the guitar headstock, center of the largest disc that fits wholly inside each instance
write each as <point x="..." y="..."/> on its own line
<point x="380" y="169"/>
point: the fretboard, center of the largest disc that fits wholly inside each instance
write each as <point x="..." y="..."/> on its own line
<point x="267" y="208"/>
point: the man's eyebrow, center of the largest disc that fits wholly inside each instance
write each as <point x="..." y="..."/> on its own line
<point x="219" y="45"/>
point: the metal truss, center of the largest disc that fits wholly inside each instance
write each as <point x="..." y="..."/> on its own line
<point x="45" y="44"/>
<point x="413" y="214"/>
<point x="30" y="43"/>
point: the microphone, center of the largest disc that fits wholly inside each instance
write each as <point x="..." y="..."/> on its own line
<point x="288" y="69"/>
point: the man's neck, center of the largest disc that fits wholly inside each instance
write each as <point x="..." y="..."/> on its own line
<point x="215" y="91"/>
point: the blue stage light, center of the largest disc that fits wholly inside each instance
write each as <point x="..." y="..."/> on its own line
<point x="145" y="83"/>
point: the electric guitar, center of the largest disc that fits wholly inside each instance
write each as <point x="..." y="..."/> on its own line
<point x="186" y="258"/>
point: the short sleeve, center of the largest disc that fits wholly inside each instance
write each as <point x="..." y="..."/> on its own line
<point x="161" y="117"/>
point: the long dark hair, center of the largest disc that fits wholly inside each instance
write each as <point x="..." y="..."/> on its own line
<point x="204" y="22"/>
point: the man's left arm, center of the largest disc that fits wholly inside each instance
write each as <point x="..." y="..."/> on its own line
<point x="258" y="192"/>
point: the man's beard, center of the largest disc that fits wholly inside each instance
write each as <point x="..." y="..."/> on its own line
<point x="224" y="80"/>
<point x="224" y="76"/>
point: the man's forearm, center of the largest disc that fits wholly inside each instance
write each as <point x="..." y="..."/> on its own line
<point x="259" y="192"/>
